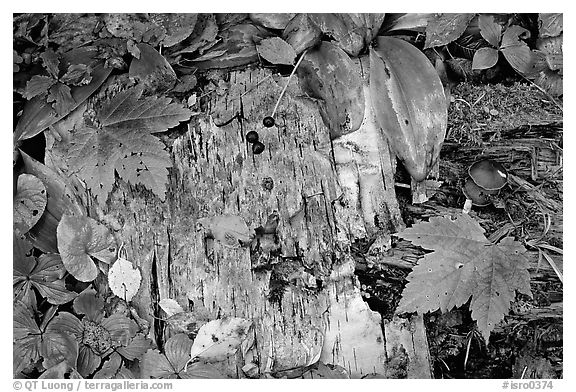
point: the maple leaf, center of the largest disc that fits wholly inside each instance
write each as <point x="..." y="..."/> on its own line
<point x="464" y="264"/>
<point x="124" y="143"/>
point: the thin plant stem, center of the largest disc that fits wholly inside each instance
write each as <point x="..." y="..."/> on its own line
<point x="288" y="82"/>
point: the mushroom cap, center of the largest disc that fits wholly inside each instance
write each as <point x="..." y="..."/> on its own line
<point x="480" y="197"/>
<point x="488" y="174"/>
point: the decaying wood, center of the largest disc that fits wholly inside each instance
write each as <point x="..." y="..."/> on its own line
<point x="326" y="193"/>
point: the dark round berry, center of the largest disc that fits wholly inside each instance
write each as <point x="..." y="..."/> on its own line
<point x="252" y="137"/>
<point x="268" y="122"/>
<point x="257" y="148"/>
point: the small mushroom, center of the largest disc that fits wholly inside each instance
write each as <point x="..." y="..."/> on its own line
<point x="486" y="179"/>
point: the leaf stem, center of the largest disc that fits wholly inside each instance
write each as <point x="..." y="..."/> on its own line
<point x="288" y="82"/>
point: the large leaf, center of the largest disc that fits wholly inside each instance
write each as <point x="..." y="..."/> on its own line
<point x="464" y="265"/>
<point x="409" y="103"/>
<point x="124" y="143"/>
<point x="39" y="114"/>
<point x="29" y="202"/>
<point x="445" y="28"/>
<point x="62" y="199"/>
<point x="328" y="73"/>
<point x="80" y="237"/>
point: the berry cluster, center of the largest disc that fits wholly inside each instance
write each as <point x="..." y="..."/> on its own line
<point x="252" y="136"/>
<point x="257" y="146"/>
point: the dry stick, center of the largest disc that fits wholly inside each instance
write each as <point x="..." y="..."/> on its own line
<point x="288" y="82"/>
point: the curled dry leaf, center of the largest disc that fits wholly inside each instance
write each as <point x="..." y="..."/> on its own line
<point x="409" y="103"/>
<point x="327" y="73"/>
<point x="124" y="279"/>
<point x="219" y="339"/>
<point x="29" y="202"/>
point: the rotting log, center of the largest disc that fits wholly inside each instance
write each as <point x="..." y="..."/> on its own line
<point x="326" y="193"/>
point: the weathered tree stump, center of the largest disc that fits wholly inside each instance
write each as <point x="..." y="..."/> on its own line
<point x="327" y="193"/>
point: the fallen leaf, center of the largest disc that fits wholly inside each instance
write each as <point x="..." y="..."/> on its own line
<point x="445" y="28"/>
<point x="231" y="230"/>
<point x="38" y="85"/>
<point x="550" y="25"/>
<point x="464" y="264"/>
<point x="80" y="237"/>
<point x="29" y="202"/>
<point x="61" y="95"/>
<point x="342" y="30"/>
<point x="276" y="51"/>
<point x="301" y="33"/>
<point x="219" y="339"/>
<point x="203" y="36"/>
<point x="124" y="279"/>
<point x="178" y="27"/>
<point x="170" y="306"/>
<point x="152" y="70"/>
<point x="272" y="21"/>
<point x="77" y="75"/>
